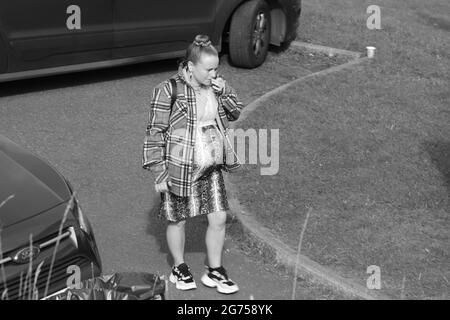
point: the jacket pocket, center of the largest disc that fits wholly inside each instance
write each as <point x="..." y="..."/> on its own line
<point x="178" y="150"/>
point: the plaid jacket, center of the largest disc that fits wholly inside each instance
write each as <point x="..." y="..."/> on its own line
<point x="170" y="135"/>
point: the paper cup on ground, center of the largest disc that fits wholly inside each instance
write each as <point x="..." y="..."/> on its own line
<point x="370" y="52"/>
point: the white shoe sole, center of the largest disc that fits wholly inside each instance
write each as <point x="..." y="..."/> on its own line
<point x="182" y="285"/>
<point x="207" y="281"/>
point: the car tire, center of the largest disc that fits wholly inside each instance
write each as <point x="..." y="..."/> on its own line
<point x="250" y="34"/>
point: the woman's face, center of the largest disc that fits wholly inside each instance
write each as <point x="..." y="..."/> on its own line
<point x="205" y="69"/>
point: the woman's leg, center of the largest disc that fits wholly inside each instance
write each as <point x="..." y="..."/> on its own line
<point x="175" y="240"/>
<point x="215" y="238"/>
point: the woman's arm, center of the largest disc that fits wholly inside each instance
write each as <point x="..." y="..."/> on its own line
<point x="154" y="151"/>
<point x="230" y="102"/>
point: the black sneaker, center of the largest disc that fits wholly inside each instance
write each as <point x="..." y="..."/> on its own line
<point x="182" y="277"/>
<point x="218" y="277"/>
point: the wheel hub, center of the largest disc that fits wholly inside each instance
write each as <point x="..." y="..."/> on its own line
<point x="259" y="33"/>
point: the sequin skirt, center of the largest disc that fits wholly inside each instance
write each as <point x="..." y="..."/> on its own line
<point x="208" y="188"/>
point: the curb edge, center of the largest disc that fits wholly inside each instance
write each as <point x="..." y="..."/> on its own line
<point x="272" y="249"/>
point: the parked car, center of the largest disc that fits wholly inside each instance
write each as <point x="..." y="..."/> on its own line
<point x="56" y="36"/>
<point x="33" y="202"/>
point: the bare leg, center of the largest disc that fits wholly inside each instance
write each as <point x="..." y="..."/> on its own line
<point x="175" y="240"/>
<point x="215" y="238"/>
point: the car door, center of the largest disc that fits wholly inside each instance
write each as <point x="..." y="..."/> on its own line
<point x="143" y="27"/>
<point x="3" y="54"/>
<point x="50" y="33"/>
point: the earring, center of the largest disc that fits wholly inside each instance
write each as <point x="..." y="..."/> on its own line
<point x="190" y="75"/>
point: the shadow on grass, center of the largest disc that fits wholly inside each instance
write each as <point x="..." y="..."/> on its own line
<point x="439" y="152"/>
<point x="436" y="22"/>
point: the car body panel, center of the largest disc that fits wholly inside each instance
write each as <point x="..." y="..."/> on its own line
<point x="224" y="11"/>
<point x="39" y="226"/>
<point x="38" y="35"/>
<point x="37" y="40"/>
<point x="36" y="186"/>
<point x="3" y="53"/>
<point x="30" y="195"/>
<point x="144" y="27"/>
<point x="34" y="216"/>
<point x="77" y="250"/>
<point x="292" y="9"/>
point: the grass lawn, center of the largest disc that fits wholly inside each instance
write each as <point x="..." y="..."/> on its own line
<point x="367" y="148"/>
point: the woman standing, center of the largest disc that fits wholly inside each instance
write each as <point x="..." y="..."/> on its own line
<point x="186" y="145"/>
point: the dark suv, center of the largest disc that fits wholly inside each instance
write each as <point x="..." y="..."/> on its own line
<point x="55" y="36"/>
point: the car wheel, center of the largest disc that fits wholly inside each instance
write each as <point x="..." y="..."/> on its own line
<point x="250" y="34"/>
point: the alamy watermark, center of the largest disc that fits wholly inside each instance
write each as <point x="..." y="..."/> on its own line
<point x="374" y="280"/>
<point x="374" y="20"/>
<point x="74" y="279"/>
<point x="251" y="146"/>
<point x="73" y="22"/>
<point x="259" y="150"/>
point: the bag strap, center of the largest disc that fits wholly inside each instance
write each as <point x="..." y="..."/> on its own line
<point x="174" y="94"/>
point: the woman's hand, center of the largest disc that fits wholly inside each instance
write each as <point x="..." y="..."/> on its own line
<point x="218" y="85"/>
<point x="163" y="186"/>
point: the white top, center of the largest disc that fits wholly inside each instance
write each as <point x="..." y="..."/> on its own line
<point x="206" y="107"/>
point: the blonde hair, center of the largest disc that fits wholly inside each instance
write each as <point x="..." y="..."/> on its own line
<point x="201" y="44"/>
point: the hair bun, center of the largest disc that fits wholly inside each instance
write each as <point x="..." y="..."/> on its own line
<point x="202" y="41"/>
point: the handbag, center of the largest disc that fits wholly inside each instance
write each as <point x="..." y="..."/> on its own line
<point x="233" y="115"/>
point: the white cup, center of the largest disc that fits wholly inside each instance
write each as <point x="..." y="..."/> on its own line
<point x="370" y="52"/>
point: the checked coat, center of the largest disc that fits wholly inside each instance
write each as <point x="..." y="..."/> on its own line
<point x="170" y="135"/>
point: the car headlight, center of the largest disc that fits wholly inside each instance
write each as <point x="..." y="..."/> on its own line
<point x="82" y="220"/>
<point x="78" y="213"/>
